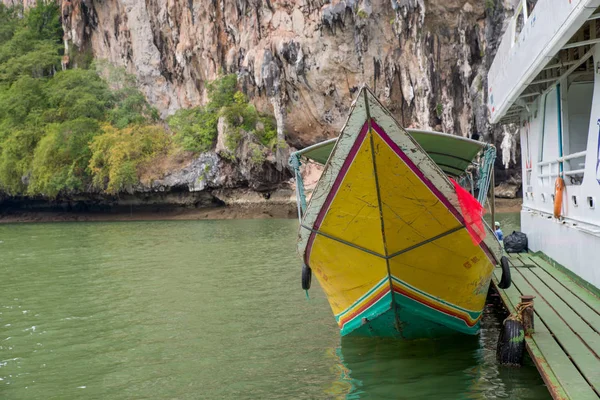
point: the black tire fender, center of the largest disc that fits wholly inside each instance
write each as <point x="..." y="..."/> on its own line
<point x="511" y="343"/>
<point x="306" y="277"/>
<point x="505" y="281"/>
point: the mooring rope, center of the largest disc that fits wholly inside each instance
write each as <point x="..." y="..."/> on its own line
<point x="518" y="314"/>
<point x="486" y="171"/>
<point x="295" y="163"/>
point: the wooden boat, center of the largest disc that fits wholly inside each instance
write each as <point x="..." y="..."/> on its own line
<point x="386" y="233"/>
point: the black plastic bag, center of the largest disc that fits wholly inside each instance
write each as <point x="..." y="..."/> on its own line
<point x="516" y="242"/>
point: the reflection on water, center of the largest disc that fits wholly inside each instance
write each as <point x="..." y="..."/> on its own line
<point x="450" y="368"/>
<point x="206" y="310"/>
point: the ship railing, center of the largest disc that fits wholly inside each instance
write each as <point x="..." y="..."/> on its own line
<point x="575" y="174"/>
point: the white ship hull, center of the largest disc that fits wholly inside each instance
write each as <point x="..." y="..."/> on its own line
<point x="573" y="247"/>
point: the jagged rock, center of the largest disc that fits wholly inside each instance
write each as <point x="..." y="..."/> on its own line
<point x="221" y="146"/>
<point x="258" y="165"/>
<point x="251" y="197"/>
<point x="507" y="190"/>
<point x="302" y="61"/>
<point x="25" y="3"/>
<point x="203" y="172"/>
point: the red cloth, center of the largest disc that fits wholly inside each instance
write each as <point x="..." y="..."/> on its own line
<point x="472" y="212"/>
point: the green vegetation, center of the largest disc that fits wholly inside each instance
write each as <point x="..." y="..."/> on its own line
<point x="118" y="154"/>
<point x="196" y="128"/>
<point x="257" y="154"/>
<point x="439" y="110"/>
<point x="61" y="157"/>
<point x="69" y="130"/>
<point x="30" y="45"/>
<point x="54" y="124"/>
<point x="362" y="14"/>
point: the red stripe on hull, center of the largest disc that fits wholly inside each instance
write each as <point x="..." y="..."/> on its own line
<point x="434" y="306"/>
<point x="365" y="306"/>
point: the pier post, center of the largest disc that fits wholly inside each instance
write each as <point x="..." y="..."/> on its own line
<point x="525" y="308"/>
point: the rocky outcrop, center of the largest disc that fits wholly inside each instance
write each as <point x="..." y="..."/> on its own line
<point x="24" y="3"/>
<point x="248" y="176"/>
<point x="200" y="174"/>
<point x="507" y="190"/>
<point x="303" y="60"/>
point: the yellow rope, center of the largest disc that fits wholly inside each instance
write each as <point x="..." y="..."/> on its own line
<point x="518" y="314"/>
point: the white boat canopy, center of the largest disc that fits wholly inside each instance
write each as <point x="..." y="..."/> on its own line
<point x="546" y="41"/>
<point x="453" y="154"/>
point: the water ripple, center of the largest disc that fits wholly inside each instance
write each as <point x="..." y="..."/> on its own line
<point x="206" y="309"/>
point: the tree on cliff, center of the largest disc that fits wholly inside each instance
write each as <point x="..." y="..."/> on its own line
<point x="89" y="128"/>
<point x="50" y="118"/>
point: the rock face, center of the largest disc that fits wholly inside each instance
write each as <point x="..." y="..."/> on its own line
<point x="303" y="60"/>
<point x="24" y="3"/>
<point x="507" y="190"/>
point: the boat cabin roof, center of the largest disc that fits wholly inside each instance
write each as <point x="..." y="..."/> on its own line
<point x="545" y="42"/>
<point x="453" y="154"/>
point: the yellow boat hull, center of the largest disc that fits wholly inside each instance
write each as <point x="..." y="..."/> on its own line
<point x="385" y="237"/>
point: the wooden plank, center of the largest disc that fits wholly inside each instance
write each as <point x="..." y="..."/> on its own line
<point x="562" y="379"/>
<point x="579" y="353"/>
<point x="516" y="262"/>
<point x="548" y="356"/>
<point x="584" y="295"/>
<point x="526" y="258"/>
<point x="565" y="313"/>
<point x="550" y="379"/>
<point x="591" y="316"/>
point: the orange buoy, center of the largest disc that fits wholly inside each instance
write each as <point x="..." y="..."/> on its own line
<point x="559" y="187"/>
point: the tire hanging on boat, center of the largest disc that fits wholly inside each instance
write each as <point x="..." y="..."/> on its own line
<point x="511" y="343"/>
<point x="505" y="281"/>
<point x="306" y="277"/>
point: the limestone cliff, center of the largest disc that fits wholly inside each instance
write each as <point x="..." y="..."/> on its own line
<point x="303" y="60"/>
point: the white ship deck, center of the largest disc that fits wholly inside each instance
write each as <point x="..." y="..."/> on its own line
<point x="544" y="42"/>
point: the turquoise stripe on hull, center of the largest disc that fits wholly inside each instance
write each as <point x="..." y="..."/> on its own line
<point x="473" y="314"/>
<point x="372" y="313"/>
<point x="416" y="321"/>
<point x="384" y="281"/>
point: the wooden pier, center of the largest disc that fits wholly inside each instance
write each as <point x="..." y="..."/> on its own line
<point x="565" y="346"/>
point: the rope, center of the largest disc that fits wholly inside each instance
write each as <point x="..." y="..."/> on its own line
<point x="486" y="170"/>
<point x="467" y="180"/>
<point x="518" y="314"/>
<point x="471" y="183"/>
<point x="295" y="163"/>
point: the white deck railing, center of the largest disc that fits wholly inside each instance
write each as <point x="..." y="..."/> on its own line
<point x="551" y="163"/>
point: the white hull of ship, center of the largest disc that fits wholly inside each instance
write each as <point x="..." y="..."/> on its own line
<point x="574" y="245"/>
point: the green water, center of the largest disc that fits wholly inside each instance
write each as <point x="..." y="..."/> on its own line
<point x="509" y="222"/>
<point x="205" y="310"/>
